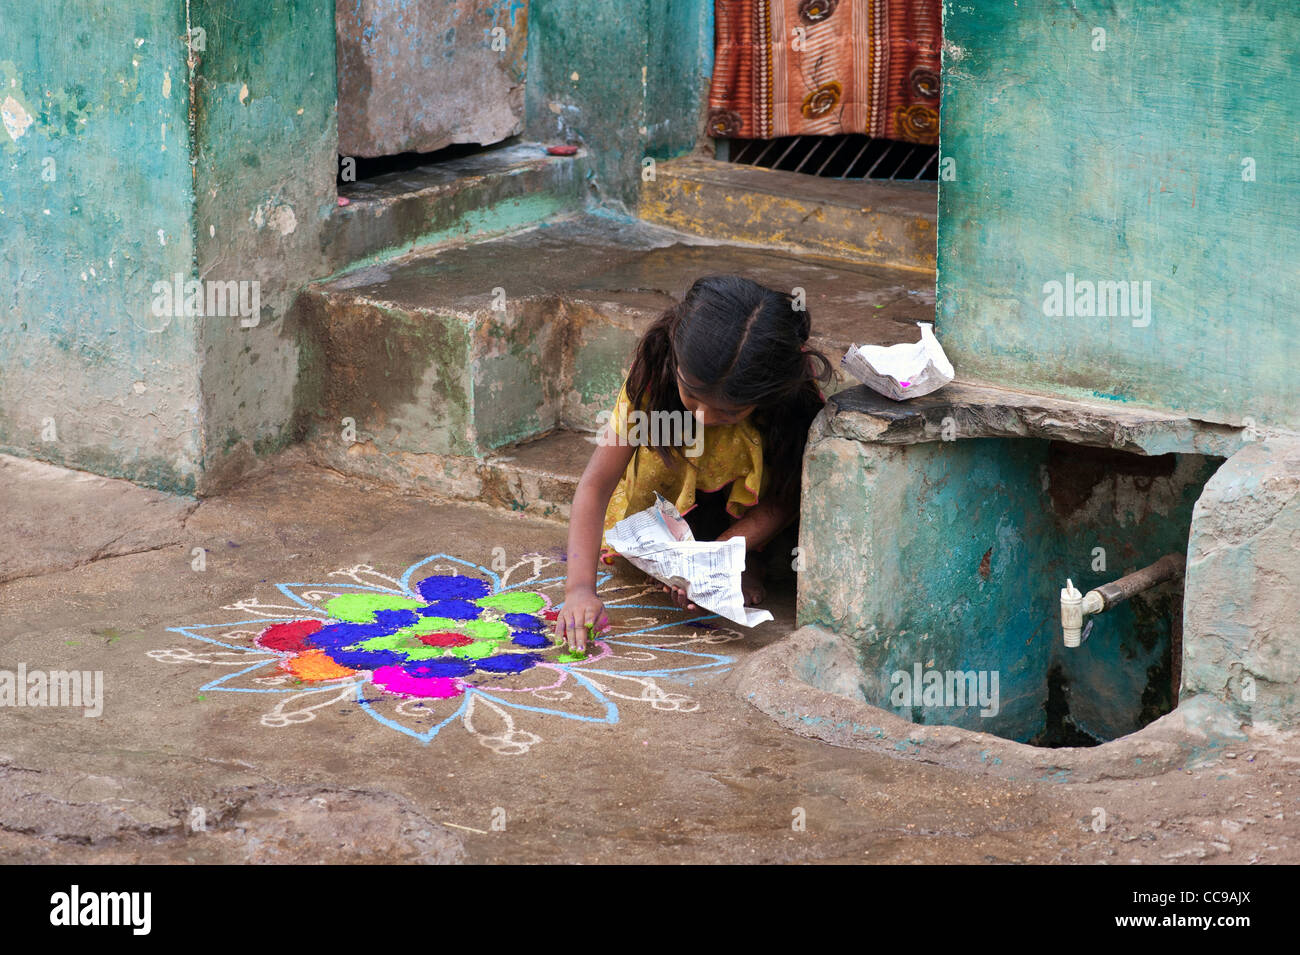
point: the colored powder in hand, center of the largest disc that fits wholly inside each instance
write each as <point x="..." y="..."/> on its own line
<point x="574" y="656"/>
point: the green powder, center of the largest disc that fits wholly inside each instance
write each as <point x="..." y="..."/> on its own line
<point x="434" y="625"/>
<point x="475" y="651"/>
<point x="360" y="608"/>
<point x="484" y="629"/>
<point x="402" y="641"/>
<point x="573" y="656"/>
<point x="519" y="602"/>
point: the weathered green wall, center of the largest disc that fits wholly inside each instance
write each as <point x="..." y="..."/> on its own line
<point x="642" y="71"/>
<point x="173" y="402"/>
<point x="135" y="198"/>
<point x="94" y="209"/>
<point x="265" y="169"/>
<point x="1130" y="162"/>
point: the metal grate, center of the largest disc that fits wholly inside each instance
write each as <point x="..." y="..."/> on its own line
<point x="846" y="156"/>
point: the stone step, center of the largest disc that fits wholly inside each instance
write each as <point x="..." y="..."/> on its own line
<point x="422" y="371"/>
<point x="539" y="476"/>
<point x="870" y="221"/>
<point x="490" y="193"/>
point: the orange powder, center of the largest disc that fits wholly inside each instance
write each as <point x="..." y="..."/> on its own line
<point x="315" y="666"/>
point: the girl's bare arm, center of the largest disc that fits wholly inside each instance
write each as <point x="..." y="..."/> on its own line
<point x="761" y="522"/>
<point x="586" y="526"/>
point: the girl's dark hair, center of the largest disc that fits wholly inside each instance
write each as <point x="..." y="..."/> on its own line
<point x="746" y="344"/>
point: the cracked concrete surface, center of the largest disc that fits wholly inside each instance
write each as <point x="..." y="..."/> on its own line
<point x="170" y="773"/>
<point x="56" y="519"/>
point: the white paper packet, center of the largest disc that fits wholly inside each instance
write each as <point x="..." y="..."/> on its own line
<point x="901" y="371"/>
<point x="659" y="541"/>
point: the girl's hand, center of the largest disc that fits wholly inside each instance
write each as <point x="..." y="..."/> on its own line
<point x="582" y="609"/>
<point x="679" y="596"/>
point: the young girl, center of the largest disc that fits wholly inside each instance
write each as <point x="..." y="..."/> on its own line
<point x="733" y="354"/>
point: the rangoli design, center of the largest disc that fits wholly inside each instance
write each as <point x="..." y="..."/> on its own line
<point x="463" y="643"/>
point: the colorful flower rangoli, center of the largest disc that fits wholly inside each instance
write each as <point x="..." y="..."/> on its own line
<point x="460" y="642"/>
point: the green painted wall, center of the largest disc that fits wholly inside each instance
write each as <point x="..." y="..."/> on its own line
<point x="95" y="188"/>
<point x="171" y="401"/>
<point x="1128" y="163"/>
<point x="265" y="168"/>
<point x="642" y="71"/>
<point x="221" y="169"/>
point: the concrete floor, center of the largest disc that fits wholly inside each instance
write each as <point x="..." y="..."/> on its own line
<point x="173" y="773"/>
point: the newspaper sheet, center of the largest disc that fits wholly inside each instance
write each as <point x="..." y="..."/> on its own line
<point x="659" y="542"/>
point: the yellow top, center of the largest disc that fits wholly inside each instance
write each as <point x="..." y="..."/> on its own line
<point x="731" y="454"/>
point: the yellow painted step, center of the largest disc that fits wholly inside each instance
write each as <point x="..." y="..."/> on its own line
<point x="868" y="221"/>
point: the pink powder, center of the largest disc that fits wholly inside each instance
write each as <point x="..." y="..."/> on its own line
<point x="396" y="680"/>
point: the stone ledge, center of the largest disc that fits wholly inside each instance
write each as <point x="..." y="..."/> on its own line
<point x="420" y="353"/>
<point x="450" y="203"/>
<point x="978" y="410"/>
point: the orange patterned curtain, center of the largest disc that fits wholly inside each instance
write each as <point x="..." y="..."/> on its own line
<point x="795" y="67"/>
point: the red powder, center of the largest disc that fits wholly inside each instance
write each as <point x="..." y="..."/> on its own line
<point x="445" y="639"/>
<point x="289" y="637"/>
